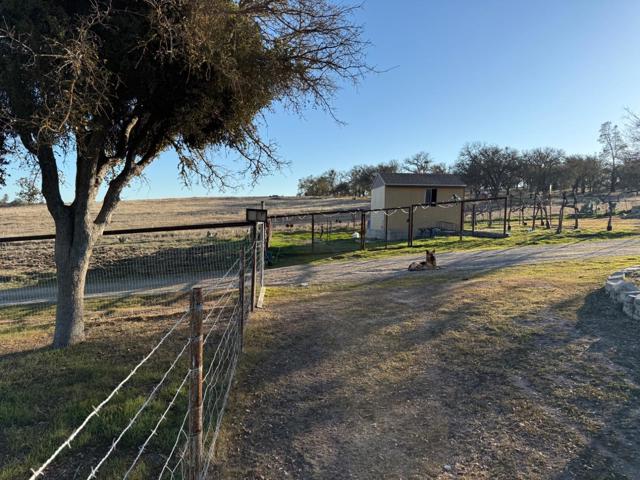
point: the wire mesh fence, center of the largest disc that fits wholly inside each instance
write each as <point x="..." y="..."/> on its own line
<point x="486" y="216"/>
<point x="142" y="427"/>
<point x="321" y="233"/>
<point x="327" y="233"/>
<point x="532" y="211"/>
<point x="127" y="273"/>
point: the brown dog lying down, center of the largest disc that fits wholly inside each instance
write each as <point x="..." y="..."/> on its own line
<point x="428" y="264"/>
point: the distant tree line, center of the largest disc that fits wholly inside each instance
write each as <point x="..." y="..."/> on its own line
<point x="494" y="170"/>
<point x="357" y="181"/>
<point x="28" y="191"/>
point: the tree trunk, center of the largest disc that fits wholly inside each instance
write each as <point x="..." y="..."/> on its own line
<point x="610" y="221"/>
<point x="521" y="214"/>
<point x="614" y="178"/>
<point x="546" y="223"/>
<point x="533" y="216"/>
<point x="72" y="253"/>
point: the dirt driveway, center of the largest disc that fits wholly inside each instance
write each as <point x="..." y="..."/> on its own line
<point x="486" y="373"/>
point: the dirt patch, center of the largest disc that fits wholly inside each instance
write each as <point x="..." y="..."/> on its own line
<point x="512" y="374"/>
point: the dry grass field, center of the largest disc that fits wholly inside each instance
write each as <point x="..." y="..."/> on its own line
<point x="35" y="219"/>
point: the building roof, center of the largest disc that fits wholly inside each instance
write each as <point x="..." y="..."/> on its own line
<point x="417" y="180"/>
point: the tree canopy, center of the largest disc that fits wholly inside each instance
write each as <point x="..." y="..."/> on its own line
<point x="353" y="182"/>
<point x="110" y="84"/>
<point x="121" y="81"/>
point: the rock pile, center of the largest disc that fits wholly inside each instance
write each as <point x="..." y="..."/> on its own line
<point x="624" y="291"/>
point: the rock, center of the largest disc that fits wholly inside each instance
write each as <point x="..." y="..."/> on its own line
<point x="629" y="303"/>
<point x="622" y="290"/>
<point x="447" y="468"/>
<point x="625" y="288"/>
<point x="611" y="284"/>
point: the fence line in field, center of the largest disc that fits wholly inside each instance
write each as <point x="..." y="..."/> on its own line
<point x="142" y="264"/>
<point x="383" y="233"/>
<point x="221" y="307"/>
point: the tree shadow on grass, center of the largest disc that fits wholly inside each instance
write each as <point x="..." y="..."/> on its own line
<point x="479" y="387"/>
<point x="612" y="453"/>
<point x="468" y="398"/>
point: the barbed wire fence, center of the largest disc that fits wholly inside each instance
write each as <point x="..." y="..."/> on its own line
<point x="164" y="417"/>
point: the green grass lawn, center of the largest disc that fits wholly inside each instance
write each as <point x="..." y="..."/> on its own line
<point x="294" y="247"/>
<point x="45" y="394"/>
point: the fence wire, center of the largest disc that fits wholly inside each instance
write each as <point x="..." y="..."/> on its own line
<point x="140" y="429"/>
<point x="326" y="233"/>
<point x="148" y="273"/>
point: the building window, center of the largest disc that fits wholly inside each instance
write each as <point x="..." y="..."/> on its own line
<point x="431" y="197"/>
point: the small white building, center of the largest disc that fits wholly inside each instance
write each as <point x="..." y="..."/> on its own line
<point x="397" y="190"/>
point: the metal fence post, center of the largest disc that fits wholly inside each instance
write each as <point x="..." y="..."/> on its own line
<point x="194" y="461"/>
<point x="386" y="228"/>
<point x="461" y="218"/>
<point x="410" y="228"/>
<point x="254" y="256"/>
<point x="473" y="218"/>
<point x="363" y="229"/>
<point x="504" y="220"/>
<point x="241" y="281"/>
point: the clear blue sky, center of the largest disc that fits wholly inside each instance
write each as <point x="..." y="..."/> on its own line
<point x="512" y="72"/>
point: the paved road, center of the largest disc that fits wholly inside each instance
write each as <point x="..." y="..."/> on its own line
<point x="384" y="268"/>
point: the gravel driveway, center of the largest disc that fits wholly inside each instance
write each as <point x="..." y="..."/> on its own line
<point x="383" y="268"/>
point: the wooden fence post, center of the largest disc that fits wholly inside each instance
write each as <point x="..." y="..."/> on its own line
<point x="313" y="233"/>
<point x="504" y="224"/>
<point x="363" y="229"/>
<point x="194" y="460"/>
<point x="241" y="281"/>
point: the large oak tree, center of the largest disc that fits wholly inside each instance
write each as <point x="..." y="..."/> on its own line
<point x="110" y="84"/>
